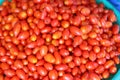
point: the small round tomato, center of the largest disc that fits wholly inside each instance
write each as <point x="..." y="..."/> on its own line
<point x="53" y="74"/>
<point x="94" y="76"/>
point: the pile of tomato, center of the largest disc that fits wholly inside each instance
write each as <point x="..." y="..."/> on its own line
<point x="57" y="40"/>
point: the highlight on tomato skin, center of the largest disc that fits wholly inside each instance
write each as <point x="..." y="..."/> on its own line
<point x="57" y="40"/>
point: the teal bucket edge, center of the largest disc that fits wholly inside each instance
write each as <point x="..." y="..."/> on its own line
<point x="1" y="1"/>
<point x="108" y="5"/>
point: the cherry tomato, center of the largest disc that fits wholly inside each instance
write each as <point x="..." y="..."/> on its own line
<point x="53" y="74"/>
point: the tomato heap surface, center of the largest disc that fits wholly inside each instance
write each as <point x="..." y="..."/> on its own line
<point x="57" y="40"/>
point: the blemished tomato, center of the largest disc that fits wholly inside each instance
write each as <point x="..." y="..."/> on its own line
<point x="57" y="40"/>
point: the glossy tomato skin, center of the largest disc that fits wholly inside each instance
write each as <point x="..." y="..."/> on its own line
<point x="21" y="74"/>
<point x="105" y="74"/>
<point x="113" y="69"/>
<point x="75" y="71"/>
<point x="77" y="52"/>
<point x="53" y="74"/>
<point x="68" y="59"/>
<point x="15" y="78"/>
<point x="61" y="67"/>
<point x="9" y="73"/>
<point x="49" y="58"/>
<point x="67" y="77"/>
<point x="32" y="59"/>
<point x="64" y="52"/>
<point x="18" y="64"/>
<point x="108" y="64"/>
<point x="85" y="76"/>
<point x="48" y="66"/>
<point x="100" y="69"/>
<point x="4" y="66"/>
<point x="92" y="56"/>
<point x="42" y="71"/>
<point x="75" y="30"/>
<point x="94" y="76"/>
<point x="43" y="50"/>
